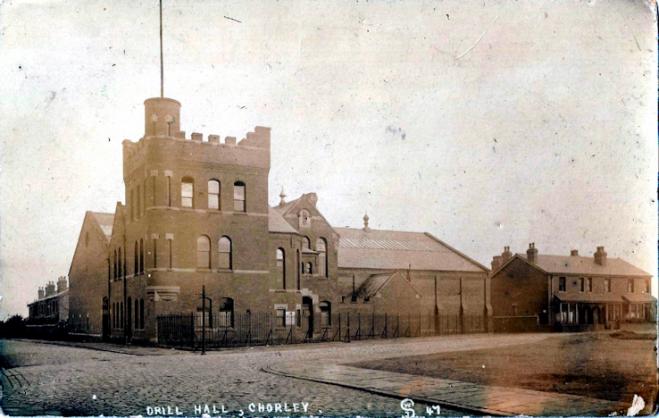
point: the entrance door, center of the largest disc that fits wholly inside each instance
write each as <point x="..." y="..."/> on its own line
<point x="307" y="313"/>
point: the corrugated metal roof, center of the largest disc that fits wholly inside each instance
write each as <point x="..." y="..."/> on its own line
<point x="568" y="264"/>
<point x="276" y="223"/>
<point x="398" y="250"/>
<point x="105" y="221"/>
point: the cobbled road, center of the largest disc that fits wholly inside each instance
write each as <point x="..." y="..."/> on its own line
<point x="48" y="379"/>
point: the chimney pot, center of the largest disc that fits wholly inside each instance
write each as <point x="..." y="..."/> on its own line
<point x="574" y="253"/>
<point x="532" y="253"/>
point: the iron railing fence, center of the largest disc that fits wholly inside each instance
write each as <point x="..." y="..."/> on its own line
<point x="186" y="330"/>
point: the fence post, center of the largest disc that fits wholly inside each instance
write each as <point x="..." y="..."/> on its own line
<point x="192" y="330"/>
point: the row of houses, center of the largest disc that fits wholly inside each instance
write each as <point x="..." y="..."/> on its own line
<point x="196" y="218"/>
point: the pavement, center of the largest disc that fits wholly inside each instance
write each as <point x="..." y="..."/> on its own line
<point x="55" y="379"/>
<point x="470" y="397"/>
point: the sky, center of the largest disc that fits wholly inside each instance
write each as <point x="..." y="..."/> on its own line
<point x="485" y="123"/>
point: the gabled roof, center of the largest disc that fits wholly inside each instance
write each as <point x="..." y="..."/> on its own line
<point x="571" y="264"/>
<point x="105" y="222"/>
<point x="399" y="250"/>
<point x="376" y="282"/>
<point x="276" y="223"/>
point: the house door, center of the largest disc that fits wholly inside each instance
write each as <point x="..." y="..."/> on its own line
<point x="307" y="313"/>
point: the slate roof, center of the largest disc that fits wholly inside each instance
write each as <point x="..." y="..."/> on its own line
<point x="398" y="250"/>
<point x="277" y="223"/>
<point x="567" y="264"/>
<point x="376" y="282"/>
<point x="105" y="222"/>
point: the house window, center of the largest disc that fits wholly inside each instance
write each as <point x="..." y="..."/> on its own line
<point x="226" y="313"/>
<point x="213" y="194"/>
<point x="325" y="314"/>
<point x="203" y="252"/>
<point x="281" y="267"/>
<point x="291" y="318"/>
<point x="582" y="284"/>
<point x="561" y="284"/>
<point x="187" y="192"/>
<point x="239" y="197"/>
<point x="304" y="219"/>
<point x="224" y="253"/>
<point x="136" y="325"/>
<point x="607" y="285"/>
<point x="630" y="286"/>
<point x="648" y="287"/>
<point x="308" y="268"/>
<point x="589" y="283"/>
<point x="281" y="317"/>
<point x="321" y="248"/>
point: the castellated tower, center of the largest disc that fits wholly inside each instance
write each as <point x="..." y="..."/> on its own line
<point x="196" y="214"/>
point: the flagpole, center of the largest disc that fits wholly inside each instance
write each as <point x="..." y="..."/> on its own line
<point x="162" y="72"/>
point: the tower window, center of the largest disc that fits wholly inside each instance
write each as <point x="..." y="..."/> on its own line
<point x="187" y="192"/>
<point x="224" y="253"/>
<point x="203" y="252"/>
<point x="281" y="267"/>
<point x="213" y="194"/>
<point x="321" y="248"/>
<point x="239" y="193"/>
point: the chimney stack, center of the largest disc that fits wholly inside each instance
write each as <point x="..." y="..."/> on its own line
<point x="574" y="253"/>
<point x="61" y="284"/>
<point x="506" y="254"/>
<point x="600" y="256"/>
<point x="532" y="253"/>
<point x="50" y="288"/>
<point x="41" y="292"/>
<point x="496" y="262"/>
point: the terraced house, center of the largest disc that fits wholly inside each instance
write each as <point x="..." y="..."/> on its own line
<point x="568" y="292"/>
<point x="196" y="215"/>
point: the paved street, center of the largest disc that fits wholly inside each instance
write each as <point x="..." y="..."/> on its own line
<point x="48" y="379"/>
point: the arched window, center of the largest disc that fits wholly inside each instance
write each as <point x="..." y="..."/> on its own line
<point x="281" y="267"/>
<point x="141" y="255"/>
<point x="121" y="262"/>
<point x="321" y="248"/>
<point x="137" y="314"/>
<point x="226" y="313"/>
<point x="239" y="195"/>
<point x="203" y="252"/>
<point x="306" y="244"/>
<point x="325" y="314"/>
<point x="114" y="265"/>
<point x="304" y="219"/>
<point x="224" y="253"/>
<point x="187" y="192"/>
<point x="213" y="194"/>
<point x="136" y="263"/>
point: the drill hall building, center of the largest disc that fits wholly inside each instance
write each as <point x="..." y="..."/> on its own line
<point x="197" y="216"/>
